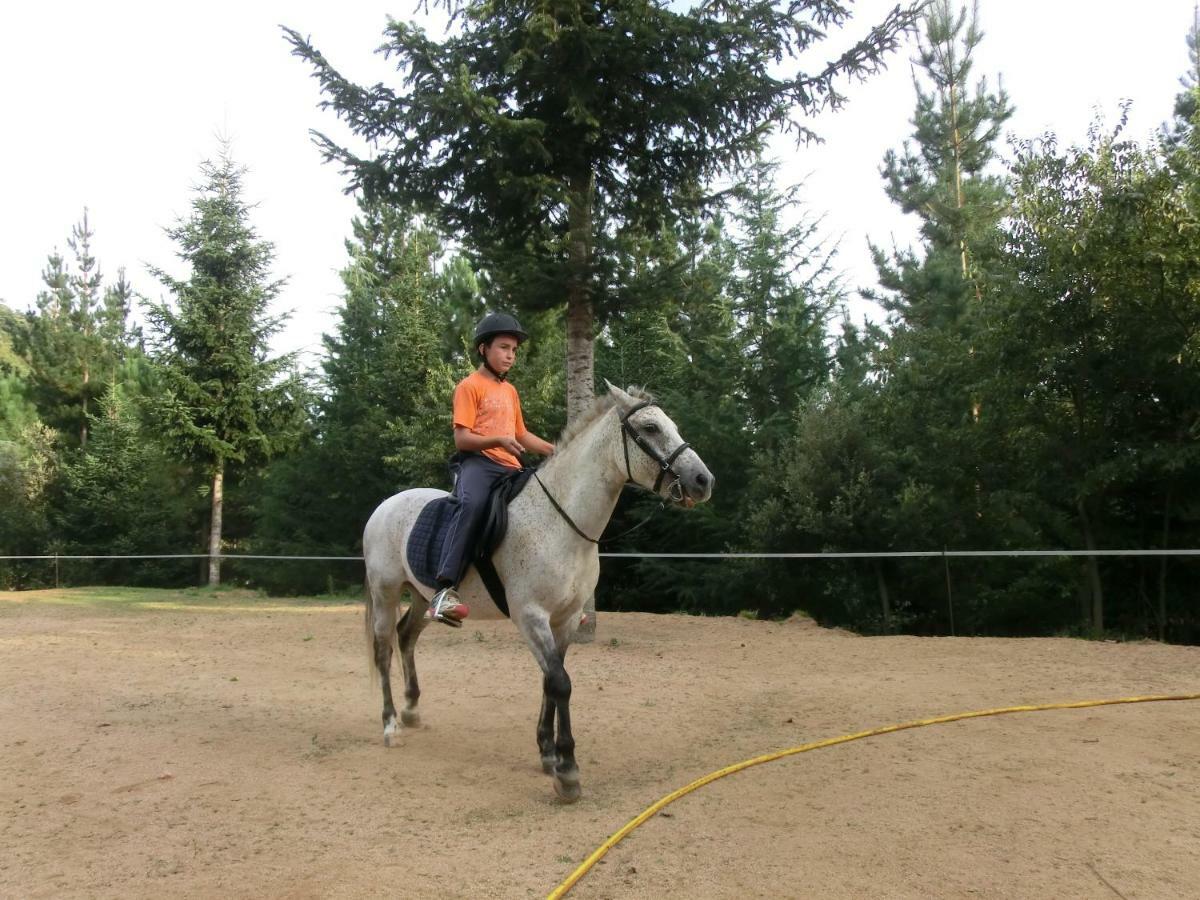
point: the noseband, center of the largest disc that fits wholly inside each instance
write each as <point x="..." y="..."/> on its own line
<point x="665" y="464"/>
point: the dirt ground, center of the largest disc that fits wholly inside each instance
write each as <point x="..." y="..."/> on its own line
<point x="231" y="747"/>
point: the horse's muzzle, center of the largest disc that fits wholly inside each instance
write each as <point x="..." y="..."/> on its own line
<point x="696" y="487"/>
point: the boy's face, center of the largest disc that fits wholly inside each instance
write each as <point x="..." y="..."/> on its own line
<point x="502" y="352"/>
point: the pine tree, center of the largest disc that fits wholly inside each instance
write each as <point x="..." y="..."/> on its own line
<point x="784" y="291"/>
<point x="114" y="318"/>
<point x="1187" y="101"/>
<point x="380" y="363"/>
<point x="942" y="179"/>
<point x="76" y="339"/>
<point x="541" y="134"/>
<point x="86" y="286"/>
<point x="225" y="400"/>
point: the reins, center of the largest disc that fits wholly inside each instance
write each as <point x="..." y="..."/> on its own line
<point x="665" y="467"/>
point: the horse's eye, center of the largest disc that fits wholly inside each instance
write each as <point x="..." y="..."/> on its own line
<point x="652" y="429"/>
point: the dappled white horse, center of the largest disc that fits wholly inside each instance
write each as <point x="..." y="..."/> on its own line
<point x="549" y="560"/>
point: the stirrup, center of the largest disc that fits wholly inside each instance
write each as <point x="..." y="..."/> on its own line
<point x="445" y="607"/>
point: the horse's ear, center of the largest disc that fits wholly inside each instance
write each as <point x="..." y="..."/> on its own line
<point x="619" y="395"/>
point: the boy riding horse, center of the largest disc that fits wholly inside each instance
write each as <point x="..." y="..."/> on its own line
<point x="490" y="434"/>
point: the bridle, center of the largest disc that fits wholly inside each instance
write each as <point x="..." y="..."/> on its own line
<point x="665" y="467"/>
<point x="665" y="464"/>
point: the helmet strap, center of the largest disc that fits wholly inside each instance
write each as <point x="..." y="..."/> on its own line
<point x="500" y="376"/>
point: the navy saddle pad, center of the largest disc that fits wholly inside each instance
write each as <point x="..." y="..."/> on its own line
<point x="429" y="532"/>
<point x="427" y="537"/>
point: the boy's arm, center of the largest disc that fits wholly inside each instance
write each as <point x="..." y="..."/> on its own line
<point x="531" y="441"/>
<point x="470" y="442"/>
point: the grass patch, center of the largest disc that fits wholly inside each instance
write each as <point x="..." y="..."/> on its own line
<point x="114" y="599"/>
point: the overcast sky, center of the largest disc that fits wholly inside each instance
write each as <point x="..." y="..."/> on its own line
<point x="112" y="106"/>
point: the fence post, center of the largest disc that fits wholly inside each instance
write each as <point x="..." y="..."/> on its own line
<point x="56" y="571"/>
<point x="949" y="591"/>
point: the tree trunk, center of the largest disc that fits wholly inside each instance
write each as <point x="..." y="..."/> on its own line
<point x="1093" y="570"/>
<point x="581" y="372"/>
<point x="83" y="433"/>
<point x="581" y="377"/>
<point x="214" y="534"/>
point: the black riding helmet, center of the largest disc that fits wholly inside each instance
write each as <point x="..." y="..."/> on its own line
<point x="498" y="323"/>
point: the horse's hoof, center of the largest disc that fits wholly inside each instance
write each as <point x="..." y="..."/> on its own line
<point x="566" y="785"/>
<point x="391" y="734"/>
<point x="548" y="764"/>
<point x="567" y="791"/>
<point x="410" y="717"/>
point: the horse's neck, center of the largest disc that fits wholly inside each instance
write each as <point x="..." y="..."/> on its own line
<point x="583" y="480"/>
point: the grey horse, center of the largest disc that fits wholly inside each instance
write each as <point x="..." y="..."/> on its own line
<point x="549" y="561"/>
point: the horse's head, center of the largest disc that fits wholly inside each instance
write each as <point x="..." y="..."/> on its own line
<point x="655" y="456"/>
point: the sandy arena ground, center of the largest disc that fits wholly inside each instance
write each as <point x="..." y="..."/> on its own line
<point x="231" y="747"/>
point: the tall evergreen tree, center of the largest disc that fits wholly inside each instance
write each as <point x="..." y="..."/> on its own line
<point x="86" y="286"/>
<point x="379" y="362"/>
<point x="76" y="337"/>
<point x="225" y="400"/>
<point x="784" y="293"/>
<point x="943" y="178"/>
<point x="1187" y="101"/>
<point x="541" y="133"/>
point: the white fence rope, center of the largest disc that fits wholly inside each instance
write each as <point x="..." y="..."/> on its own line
<point x="888" y="554"/>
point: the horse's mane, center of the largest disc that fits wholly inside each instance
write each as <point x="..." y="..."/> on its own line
<point x="602" y="404"/>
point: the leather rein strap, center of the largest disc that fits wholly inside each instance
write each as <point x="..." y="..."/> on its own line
<point x="665" y="467"/>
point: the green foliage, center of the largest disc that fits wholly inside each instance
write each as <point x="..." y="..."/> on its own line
<point x="1187" y="101"/>
<point x="730" y="350"/>
<point x="223" y="398"/>
<point x="12" y="335"/>
<point x="524" y="100"/>
<point x="28" y="463"/>
<point x="548" y="137"/>
<point x="1093" y="329"/>
<point x="942" y="179"/>
<point x="76" y="340"/>
<point x="122" y="495"/>
<point x="382" y="423"/>
<point x="1036" y="388"/>
<point x="784" y="291"/>
<point x="17" y="413"/>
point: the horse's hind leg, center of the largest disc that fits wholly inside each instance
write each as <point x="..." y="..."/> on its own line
<point x="381" y="619"/>
<point x="412" y="623"/>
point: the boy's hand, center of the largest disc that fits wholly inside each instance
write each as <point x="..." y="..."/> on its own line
<point x="511" y="444"/>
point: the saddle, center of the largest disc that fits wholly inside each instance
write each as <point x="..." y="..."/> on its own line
<point x="429" y="533"/>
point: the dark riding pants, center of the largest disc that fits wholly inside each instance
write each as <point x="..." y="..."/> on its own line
<point x="475" y="475"/>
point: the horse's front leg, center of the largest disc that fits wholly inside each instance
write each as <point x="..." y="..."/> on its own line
<point x="566" y="772"/>
<point x="556" y="745"/>
<point x="545" y="733"/>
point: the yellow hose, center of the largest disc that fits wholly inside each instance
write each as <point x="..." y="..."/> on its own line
<point x="650" y="811"/>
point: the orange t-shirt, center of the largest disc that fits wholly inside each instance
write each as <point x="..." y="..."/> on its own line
<point x="490" y="409"/>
